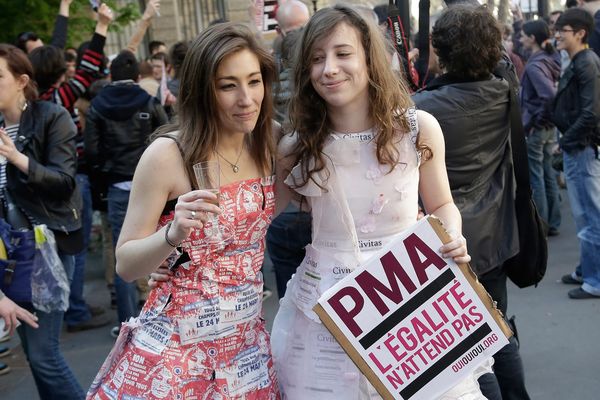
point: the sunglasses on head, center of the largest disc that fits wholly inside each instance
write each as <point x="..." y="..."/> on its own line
<point x="27" y="36"/>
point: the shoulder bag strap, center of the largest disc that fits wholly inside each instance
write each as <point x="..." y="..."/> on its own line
<point x="506" y="71"/>
<point x="519" y="147"/>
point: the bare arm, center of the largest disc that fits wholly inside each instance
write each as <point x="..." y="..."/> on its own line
<point x="152" y="7"/>
<point x="159" y="176"/>
<point x="435" y="189"/>
<point x="63" y="9"/>
<point x="284" y="164"/>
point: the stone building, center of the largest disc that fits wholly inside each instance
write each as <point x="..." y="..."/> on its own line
<point x="184" y="19"/>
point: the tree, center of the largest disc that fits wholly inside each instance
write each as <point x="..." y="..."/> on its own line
<point x="38" y="16"/>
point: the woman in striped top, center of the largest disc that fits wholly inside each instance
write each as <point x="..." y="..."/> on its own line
<point x="38" y="146"/>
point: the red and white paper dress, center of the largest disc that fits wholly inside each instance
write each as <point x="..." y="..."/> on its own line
<point x="201" y="335"/>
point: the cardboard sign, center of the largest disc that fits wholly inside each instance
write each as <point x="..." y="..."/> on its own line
<point x="416" y="324"/>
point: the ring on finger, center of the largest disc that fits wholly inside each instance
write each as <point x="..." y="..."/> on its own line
<point x="193" y="214"/>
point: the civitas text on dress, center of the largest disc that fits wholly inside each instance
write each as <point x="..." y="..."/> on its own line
<point x="369" y="244"/>
<point x="341" y="270"/>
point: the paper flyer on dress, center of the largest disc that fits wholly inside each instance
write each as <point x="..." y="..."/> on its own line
<point x="416" y="324"/>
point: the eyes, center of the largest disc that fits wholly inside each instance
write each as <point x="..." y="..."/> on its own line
<point x="228" y="86"/>
<point x="319" y="58"/>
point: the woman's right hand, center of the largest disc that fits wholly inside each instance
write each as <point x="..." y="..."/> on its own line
<point x="10" y="312"/>
<point x="191" y="213"/>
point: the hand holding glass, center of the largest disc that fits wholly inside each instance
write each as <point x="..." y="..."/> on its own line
<point x="208" y="175"/>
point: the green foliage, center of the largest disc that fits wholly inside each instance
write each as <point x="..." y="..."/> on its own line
<point x="38" y="16"/>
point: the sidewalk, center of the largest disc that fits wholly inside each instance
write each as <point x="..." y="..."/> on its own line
<point x="559" y="336"/>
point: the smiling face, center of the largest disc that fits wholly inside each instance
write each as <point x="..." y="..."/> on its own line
<point x="239" y="92"/>
<point x="339" y="69"/>
<point x="569" y="39"/>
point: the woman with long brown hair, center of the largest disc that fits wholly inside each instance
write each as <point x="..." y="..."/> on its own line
<point x="201" y="334"/>
<point x="361" y="155"/>
<point x="37" y="186"/>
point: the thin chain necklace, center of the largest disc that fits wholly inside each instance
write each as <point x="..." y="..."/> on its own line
<point x="234" y="166"/>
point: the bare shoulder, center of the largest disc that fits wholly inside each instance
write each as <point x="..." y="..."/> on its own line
<point x="162" y="148"/>
<point x="430" y="132"/>
<point x="161" y="161"/>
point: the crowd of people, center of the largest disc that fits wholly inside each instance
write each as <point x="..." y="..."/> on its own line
<point x="322" y="144"/>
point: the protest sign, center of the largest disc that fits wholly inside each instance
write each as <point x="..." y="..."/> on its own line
<point x="415" y="323"/>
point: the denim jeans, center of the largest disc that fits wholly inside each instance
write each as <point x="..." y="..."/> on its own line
<point x="53" y="377"/>
<point x="78" y="311"/>
<point x="582" y="173"/>
<point x="508" y="380"/>
<point x="127" y="302"/>
<point x="546" y="196"/>
<point x="287" y="237"/>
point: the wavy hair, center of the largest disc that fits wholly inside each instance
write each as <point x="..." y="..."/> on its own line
<point x="388" y="95"/>
<point x="467" y="40"/>
<point x="198" y="111"/>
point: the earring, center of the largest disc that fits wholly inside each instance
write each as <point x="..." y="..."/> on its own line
<point x="24" y="106"/>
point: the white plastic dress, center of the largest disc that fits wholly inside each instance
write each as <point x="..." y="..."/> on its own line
<point x="360" y="208"/>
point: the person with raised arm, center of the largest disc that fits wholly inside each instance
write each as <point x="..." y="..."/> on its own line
<point x="28" y="41"/>
<point x="49" y="66"/>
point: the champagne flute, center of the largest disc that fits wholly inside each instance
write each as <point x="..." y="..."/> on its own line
<point x="208" y="174"/>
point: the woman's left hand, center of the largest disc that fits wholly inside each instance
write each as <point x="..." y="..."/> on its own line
<point x="162" y="274"/>
<point x="7" y="147"/>
<point x="11" y="312"/>
<point x="456" y="248"/>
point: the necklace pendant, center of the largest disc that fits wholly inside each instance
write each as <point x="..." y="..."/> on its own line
<point x="235" y="168"/>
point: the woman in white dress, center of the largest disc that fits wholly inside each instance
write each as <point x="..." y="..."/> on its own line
<point x="361" y="156"/>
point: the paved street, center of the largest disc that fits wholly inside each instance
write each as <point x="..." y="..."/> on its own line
<point x="559" y="337"/>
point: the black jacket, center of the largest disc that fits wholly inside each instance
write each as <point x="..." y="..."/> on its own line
<point x="595" y="35"/>
<point x="577" y="102"/>
<point x="118" y="124"/>
<point x="48" y="192"/>
<point x="474" y="117"/>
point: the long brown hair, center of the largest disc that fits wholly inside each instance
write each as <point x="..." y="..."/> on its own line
<point x="18" y="64"/>
<point x="388" y="95"/>
<point x="198" y="112"/>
